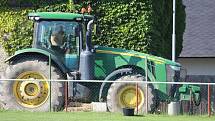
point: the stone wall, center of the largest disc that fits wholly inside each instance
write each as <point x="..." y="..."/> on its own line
<point x="3" y="57"/>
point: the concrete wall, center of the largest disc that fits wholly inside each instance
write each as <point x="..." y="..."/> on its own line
<point x="198" y="66"/>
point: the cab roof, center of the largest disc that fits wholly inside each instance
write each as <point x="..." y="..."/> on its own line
<point x="58" y="16"/>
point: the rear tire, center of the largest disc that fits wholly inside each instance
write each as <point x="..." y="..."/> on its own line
<point x="115" y="92"/>
<point x="29" y="65"/>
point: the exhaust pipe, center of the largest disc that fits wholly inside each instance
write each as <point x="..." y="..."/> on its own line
<point x="89" y="36"/>
<point x="87" y="57"/>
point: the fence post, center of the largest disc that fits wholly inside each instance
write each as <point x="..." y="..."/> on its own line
<point x="50" y="105"/>
<point x="191" y="103"/>
<point x="146" y="74"/>
<point x="66" y="96"/>
<point x="137" y="97"/>
<point x="209" y="101"/>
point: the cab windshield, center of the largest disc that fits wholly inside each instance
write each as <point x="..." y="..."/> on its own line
<point x="58" y="36"/>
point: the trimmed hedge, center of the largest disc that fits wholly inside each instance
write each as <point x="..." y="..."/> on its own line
<point x="125" y="24"/>
<point x="142" y="25"/>
<point x="15" y="30"/>
<point x="18" y="30"/>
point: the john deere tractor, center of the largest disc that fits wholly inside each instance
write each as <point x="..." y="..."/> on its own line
<point x="62" y="50"/>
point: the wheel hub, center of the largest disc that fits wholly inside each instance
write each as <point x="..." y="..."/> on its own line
<point x="30" y="89"/>
<point x="31" y="93"/>
<point x="127" y="97"/>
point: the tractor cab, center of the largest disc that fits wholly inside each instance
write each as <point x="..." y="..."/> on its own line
<point x="60" y="34"/>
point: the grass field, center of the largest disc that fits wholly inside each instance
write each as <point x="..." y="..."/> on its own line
<point x="92" y="116"/>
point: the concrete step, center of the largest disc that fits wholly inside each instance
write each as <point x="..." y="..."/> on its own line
<point x="86" y="107"/>
<point x="79" y="107"/>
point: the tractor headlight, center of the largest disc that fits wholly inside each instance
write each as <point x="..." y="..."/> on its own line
<point x="31" y="18"/>
<point x="176" y="68"/>
<point x="36" y="18"/>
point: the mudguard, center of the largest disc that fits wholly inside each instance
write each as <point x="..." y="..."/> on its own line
<point x="37" y="51"/>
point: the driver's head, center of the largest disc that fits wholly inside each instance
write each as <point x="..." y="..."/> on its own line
<point x="57" y="36"/>
<point x="59" y="29"/>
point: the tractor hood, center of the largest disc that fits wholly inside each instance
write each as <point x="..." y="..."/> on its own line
<point x="123" y="52"/>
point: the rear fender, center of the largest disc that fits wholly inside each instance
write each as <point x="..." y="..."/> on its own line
<point x="40" y="52"/>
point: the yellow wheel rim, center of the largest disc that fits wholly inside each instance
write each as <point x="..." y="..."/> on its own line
<point x="127" y="97"/>
<point x="31" y="93"/>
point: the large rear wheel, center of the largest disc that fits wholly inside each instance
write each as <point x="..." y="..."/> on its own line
<point x="121" y="94"/>
<point x="31" y="95"/>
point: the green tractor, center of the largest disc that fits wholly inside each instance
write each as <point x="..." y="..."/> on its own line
<point x="62" y="50"/>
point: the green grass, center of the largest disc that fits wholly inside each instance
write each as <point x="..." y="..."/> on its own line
<point x="92" y="116"/>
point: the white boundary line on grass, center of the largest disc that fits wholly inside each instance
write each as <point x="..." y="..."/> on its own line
<point x="110" y="81"/>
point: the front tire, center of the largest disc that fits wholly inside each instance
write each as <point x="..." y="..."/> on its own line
<point x="121" y="95"/>
<point x="31" y="95"/>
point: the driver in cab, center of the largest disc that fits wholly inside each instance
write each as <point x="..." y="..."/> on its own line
<point x="58" y="39"/>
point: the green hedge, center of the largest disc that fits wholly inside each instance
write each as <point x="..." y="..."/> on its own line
<point x="142" y="25"/>
<point x="15" y="24"/>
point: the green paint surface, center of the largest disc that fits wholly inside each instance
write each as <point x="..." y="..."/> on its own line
<point x="58" y="60"/>
<point x="109" y="59"/>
